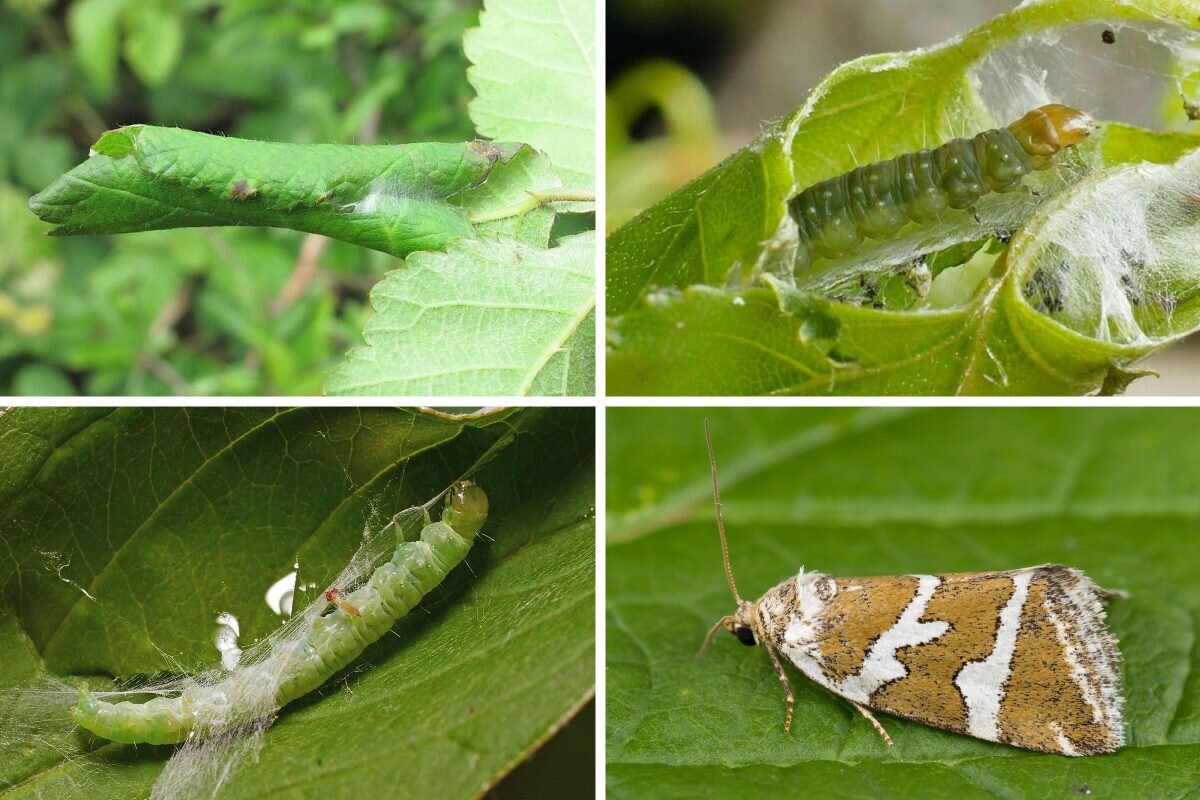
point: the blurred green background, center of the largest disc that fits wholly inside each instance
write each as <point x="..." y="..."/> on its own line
<point x="203" y="311"/>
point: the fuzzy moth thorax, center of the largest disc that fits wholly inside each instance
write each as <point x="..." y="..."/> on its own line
<point x="794" y="611"/>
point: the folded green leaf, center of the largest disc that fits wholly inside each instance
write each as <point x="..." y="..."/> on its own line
<point x="394" y="198"/>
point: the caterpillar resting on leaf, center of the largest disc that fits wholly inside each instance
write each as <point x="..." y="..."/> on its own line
<point x="876" y="200"/>
<point x="332" y="641"/>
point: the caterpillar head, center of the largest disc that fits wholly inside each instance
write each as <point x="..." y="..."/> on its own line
<point x="466" y="508"/>
<point x="1050" y="128"/>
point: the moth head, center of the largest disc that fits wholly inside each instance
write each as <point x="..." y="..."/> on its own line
<point x="742" y="624"/>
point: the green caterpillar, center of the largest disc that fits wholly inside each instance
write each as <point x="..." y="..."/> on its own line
<point x="876" y="200"/>
<point x="332" y="641"/>
<point x="394" y="198"/>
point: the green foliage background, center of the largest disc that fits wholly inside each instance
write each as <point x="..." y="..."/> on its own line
<point x="168" y="516"/>
<point x="202" y="311"/>
<point x="1115" y="492"/>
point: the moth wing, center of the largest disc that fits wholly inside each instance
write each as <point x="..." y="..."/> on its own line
<point x="1021" y="657"/>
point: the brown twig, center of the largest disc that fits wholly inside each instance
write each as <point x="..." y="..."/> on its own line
<point x="165" y="373"/>
<point x="306" y="269"/>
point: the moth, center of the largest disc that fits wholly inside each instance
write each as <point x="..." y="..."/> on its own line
<point x="334" y="639"/>
<point x="1021" y="656"/>
<point x="876" y="200"/>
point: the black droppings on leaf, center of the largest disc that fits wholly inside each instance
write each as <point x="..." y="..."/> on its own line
<point x="1109" y="36"/>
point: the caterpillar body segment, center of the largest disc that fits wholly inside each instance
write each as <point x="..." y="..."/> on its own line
<point x="876" y="200"/>
<point x="332" y="641"/>
<point x="159" y="721"/>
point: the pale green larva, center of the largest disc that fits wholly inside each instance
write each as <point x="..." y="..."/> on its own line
<point x="332" y="641"/>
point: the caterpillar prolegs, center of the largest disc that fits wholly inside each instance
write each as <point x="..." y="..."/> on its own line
<point x="876" y="200"/>
<point x="333" y="640"/>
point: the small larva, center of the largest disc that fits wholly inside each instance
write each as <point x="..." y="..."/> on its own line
<point x="876" y="200"/>
<point x="332" y="642"/>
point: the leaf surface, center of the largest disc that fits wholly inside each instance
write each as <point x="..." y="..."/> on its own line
<point x="535" y="77"/>
<point x="488" y="316"/>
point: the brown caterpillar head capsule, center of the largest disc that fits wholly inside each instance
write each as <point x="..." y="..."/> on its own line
<point x="1048" y="129"/>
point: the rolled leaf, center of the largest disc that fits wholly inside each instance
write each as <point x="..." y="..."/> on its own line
<point x="397" y="199"/>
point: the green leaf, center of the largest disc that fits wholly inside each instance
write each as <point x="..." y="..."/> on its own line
<point x="700" y="293"/>
<point x="167" y="516"/>
<point x="396" y="199"/>
<point x="887" y="492"/>
<point x="488" y="316"/>
<point x="153" y="42"/>
<point x="92" y="25"/>
<point x="535" y="76"/>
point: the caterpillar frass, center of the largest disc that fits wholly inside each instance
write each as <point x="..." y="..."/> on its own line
<point x="332" y="641"/>
<point x="876" y="200"/>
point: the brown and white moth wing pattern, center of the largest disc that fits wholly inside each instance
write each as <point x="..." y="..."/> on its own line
<point x="1020" y="657"/>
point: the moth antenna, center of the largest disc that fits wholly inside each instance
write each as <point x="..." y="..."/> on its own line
<point x="711" y="633"/>
<point x="712" y="461"/>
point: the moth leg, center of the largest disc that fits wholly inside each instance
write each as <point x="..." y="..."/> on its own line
<point x="863" y="710"/>
<point x="787" y="687"/>
<point x="1118" y="593"/>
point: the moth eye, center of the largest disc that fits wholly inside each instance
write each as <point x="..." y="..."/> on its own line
<point x="467" y="498"/>
<point x="744" y="635"/>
